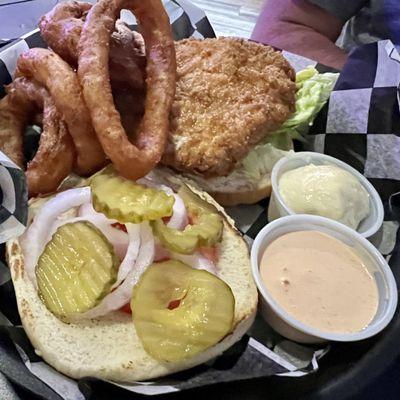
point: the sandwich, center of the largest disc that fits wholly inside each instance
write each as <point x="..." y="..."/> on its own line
<point x="129" y="281"/>
<point x="238" y="106"/>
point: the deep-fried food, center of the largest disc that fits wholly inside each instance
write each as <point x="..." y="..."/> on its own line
<point x="130" y="105"/>
<point x="57" y="77"/>
<point x="127" y="61"/>
<point x="230" y="93"/>
<point x="12" y="123"/>
<point x="54" y="158"/>
<point x="131" y="161"/>
<point x="61" y="29"/>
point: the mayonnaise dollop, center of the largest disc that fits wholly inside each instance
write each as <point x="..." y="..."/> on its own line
<point x="325" y="190"/>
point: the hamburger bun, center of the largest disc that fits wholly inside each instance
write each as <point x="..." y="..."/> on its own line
<point x="108" y="348"/>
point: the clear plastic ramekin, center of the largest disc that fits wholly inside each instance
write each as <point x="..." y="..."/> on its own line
<point x="296" y="330"/>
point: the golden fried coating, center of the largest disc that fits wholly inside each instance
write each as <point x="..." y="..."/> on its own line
<point x="230" y="93"/>
<point x="61" y="29"/>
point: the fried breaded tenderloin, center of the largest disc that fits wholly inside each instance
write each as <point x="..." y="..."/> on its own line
<point x="47" y="68"/>
<point x="127" y="61"/>
<point x="130" y="105"/>
<point x="230" y="94"/>
<point x="61" y="29"/>
<point x="54" y="158"/>
<point x="132" y="160"/>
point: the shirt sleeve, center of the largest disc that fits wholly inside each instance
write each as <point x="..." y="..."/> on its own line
<point x="342" y="9"/>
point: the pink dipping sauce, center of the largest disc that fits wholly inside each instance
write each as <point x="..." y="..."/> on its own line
<point x="320" y="281"/>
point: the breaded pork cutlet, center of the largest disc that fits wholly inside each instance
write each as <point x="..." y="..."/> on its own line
<point x="230" y="93"/>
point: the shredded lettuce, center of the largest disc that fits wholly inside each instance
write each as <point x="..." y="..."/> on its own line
<point x="260" y="161"/>
<point x="313" y="91"/>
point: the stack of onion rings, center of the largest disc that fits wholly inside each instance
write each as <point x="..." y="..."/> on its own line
<point x="61" y="29"/>
<point x="84" y="117"/>
<point x="55" y="156"/>
<point x="131" y="161"/>
<point x="59" y="79"/>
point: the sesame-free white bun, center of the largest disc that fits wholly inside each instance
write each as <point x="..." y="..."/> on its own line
<point x="108" y="348"/>
<point x="252" y="195"/>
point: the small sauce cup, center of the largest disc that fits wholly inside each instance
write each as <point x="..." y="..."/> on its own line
<point x="296" y="330"/>
<point x="278" y="208"/>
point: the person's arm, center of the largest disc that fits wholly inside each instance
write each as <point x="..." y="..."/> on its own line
<point x="302" y="28"/>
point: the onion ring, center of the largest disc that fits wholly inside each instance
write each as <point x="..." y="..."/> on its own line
<point x="131" y="162"/>
<point x="55" y="156"/>
<point x="60" y="80"/>
<point x="37" y="119"/>
<point x="13" y="119"/>
<point x="61" y="29"/>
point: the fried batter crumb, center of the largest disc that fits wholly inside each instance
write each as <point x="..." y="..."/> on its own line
<point x="230" y="93"/>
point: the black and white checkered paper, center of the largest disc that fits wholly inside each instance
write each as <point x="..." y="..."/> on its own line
<point x="359" y="125"/>
<point x="13" y="199"/>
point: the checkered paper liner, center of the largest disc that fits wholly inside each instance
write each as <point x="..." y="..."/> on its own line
<point x="355" y="108"/>
<point x="13" y="199"/>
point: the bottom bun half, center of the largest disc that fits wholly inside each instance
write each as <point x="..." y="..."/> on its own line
<point x="245" y="196"/>
<point x="108" y="348"/>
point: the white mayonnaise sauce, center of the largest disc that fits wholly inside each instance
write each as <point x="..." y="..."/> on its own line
<point x="325" y="190"/>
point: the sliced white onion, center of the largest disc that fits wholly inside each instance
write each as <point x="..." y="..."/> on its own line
<point x="196" y="260"/>
<point x="131" y="253"/>
<point x="87" y="210"/>
<point x="37" y="235"/>
<point x="123" y="293"/>
<point x="118" y="238"/>
<point x="179" y="218"/>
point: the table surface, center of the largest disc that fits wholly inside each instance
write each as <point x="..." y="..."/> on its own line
<point x="231" y="17"/>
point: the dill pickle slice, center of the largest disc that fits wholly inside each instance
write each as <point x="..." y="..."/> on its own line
<point x="189" y="197"/>
<point x="76" y="269"/>
<point x="127" y="201"/>
<point x="179" y="311"/>
<point x="206" y="231"/>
